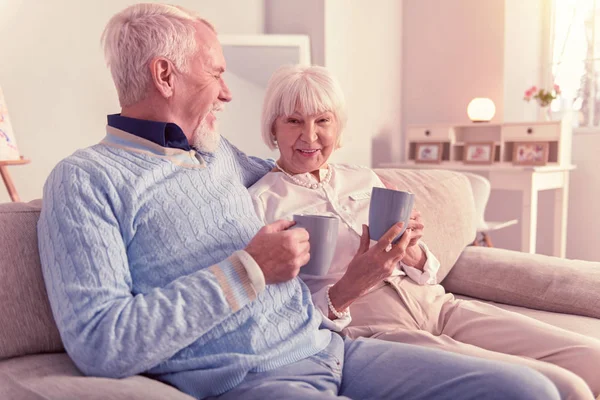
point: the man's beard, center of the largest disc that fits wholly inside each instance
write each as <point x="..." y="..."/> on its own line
<point x="206" y="139"/>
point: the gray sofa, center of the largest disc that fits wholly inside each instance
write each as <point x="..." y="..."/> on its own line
<point x="33" y="364"/>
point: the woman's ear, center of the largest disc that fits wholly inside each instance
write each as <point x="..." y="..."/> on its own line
<point x="273" y="136"/>
<point x="163" y="76"/>
<point x="340" y="129"/>
<point x="338" y="142"/>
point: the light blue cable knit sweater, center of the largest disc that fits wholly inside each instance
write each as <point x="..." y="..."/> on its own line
<point x="136" y="243"/>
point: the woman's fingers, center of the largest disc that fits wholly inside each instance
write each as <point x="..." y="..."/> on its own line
<point x="415" y="225"/>
<point x="399" y="249"/>
<point x="415" y="214"/>
<point x="389" y="236"/>
<point x="415" y="222"/>
<point x="415" y="235"/>
<point x="365" y="241"/>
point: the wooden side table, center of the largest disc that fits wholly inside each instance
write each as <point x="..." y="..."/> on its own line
<point x="8" y="182"/>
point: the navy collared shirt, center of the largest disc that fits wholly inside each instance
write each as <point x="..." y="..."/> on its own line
<point x="165" y="134"/>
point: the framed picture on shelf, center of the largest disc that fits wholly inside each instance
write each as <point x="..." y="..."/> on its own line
<point x="479" y="153"/>
<point x="530" y="153"/>
<point x="427" y="152"/>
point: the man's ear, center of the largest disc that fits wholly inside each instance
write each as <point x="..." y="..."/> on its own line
<point x="163" y="76"/>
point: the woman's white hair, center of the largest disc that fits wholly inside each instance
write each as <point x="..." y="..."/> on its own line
<point x="136" y="35"/>
<point x="312" y="89"/>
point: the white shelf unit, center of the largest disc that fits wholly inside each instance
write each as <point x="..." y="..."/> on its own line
<point x="453" y="138"/>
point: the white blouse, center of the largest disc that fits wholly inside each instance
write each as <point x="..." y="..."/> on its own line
<point x="346" y="196"/>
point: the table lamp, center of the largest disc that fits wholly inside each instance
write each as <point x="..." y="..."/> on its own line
<point x="8" y="143"/>
<point x="481" y="109"/>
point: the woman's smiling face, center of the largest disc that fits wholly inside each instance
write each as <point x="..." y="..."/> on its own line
<point x="305" y="141"/>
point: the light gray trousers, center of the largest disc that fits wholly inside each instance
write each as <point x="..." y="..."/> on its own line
<point x="375" y="369"/>
<point x="402" y="311"/>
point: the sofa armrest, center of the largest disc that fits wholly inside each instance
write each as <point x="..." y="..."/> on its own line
<point x="527" y="280"/>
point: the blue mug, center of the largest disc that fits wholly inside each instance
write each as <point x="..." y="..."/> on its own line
<point x="322" y="236"/>
<point x="387" y="208"/>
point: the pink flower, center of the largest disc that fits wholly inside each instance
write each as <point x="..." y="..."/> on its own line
<point x="530" y="92"/>
<point x="556" y="88"/>
<point x="542" y="96"/>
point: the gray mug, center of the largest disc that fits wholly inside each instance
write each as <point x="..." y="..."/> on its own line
<point x="323" y="233"/>
<point x="387" y="208"/>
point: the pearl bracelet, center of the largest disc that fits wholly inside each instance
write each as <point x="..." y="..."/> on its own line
<point x="338" y="314"/>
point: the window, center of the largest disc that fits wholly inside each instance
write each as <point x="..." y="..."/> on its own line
<point x="576" y="59"/>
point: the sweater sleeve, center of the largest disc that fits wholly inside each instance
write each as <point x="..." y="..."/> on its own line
<point x="106" y="329"/>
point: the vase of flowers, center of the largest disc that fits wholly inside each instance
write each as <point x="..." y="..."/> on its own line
<point x="543" y="97"/>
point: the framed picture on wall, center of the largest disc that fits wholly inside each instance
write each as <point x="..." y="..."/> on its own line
<point x="479" y="153"/>
<point x="530" y="153"/>
<point x="427" y="152"/>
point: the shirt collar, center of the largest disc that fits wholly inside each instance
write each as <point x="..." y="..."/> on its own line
<point x="165" y="134"/>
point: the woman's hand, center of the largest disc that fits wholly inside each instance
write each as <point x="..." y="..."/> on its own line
<point x="369" y="266"/>
<point x="415" y="224"/>
<point x="415" y="256"/>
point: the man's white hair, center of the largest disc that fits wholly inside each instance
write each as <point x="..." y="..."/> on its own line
<point x="141" y="32"/>
<point x="312" y="89"/>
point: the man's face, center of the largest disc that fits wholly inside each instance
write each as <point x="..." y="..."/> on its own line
<point x="201" y="92"/>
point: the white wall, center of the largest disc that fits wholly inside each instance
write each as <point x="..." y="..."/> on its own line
<point x="364" y="50"/>
<point x="522" y="57"/>
<point x="306" y="17"/>
<point x="453" y="52"/>
<point x="56" y="85"/>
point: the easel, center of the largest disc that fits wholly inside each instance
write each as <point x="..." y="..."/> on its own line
<point x="8" y="182"/>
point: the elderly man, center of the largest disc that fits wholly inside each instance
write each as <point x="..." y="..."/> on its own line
<point x="155" y="262"/>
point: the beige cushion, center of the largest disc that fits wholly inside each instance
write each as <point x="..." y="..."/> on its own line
<point x="447" y="207"/>
<point x="527" y="280"/>
<point x="55" y="377"/>
<point x="26" y="323"/>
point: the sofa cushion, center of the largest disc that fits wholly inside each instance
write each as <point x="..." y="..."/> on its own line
<point x="26" y="323"/>
<point x="544" y="283"/>
<point x="446" y="203"/>
<point x="54" y="376"/>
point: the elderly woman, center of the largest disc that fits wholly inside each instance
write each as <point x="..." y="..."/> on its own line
<point x="378" y="291"/>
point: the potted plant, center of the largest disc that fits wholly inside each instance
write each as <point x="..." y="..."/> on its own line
<point x="543" y="97"/>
